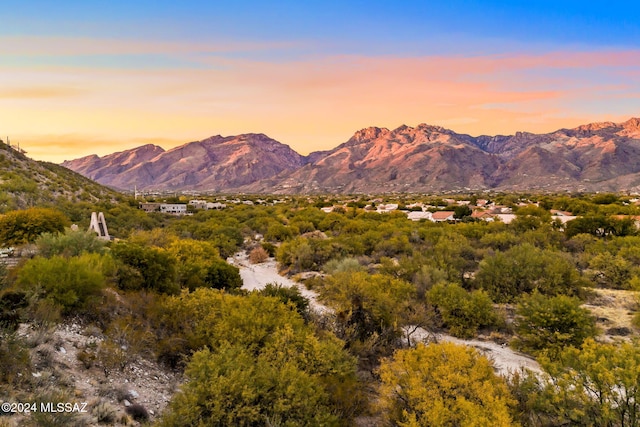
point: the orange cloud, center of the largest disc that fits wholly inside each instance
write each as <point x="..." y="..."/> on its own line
<point x="312" y="103"/>
<point x="38" y="92"/>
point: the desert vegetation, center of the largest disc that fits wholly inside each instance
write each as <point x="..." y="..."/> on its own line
<point x="165" y="294"/>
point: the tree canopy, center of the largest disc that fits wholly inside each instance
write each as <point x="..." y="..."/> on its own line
<point x="443" y="385"/>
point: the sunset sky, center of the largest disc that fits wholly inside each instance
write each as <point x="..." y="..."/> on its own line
<point x="79" y="78"/>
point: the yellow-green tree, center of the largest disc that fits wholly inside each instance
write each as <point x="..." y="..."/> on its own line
<point x="525" y="268"/>
<point x="145" y="267"/>
<point x="552" y="323"/>
<point x="461" y="311"/>
<point x="70" y="283"/>
<point x="194" y="258"/>
<point x="265" y="364"/>
<point x="18" y="227"/>
<point x="592" y="386"/>
<point x="369" y="308"/>
<point x="443" y="385"/>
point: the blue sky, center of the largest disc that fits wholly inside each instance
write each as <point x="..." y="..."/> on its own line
<point x="370" y="26"/>
<point x="209" y="67"/>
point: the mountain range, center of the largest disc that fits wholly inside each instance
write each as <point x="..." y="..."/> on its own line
<point x="593" y="157"/>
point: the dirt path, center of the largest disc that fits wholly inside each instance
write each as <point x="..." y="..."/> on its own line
<point x="257" y="276"/>
<point x="504" y="359"/>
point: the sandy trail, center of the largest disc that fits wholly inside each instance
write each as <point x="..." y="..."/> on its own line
<point x="257" y="276"/>
<point x="505" y="360"/>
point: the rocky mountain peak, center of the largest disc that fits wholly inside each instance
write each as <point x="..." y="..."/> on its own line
<point x="431" y="128"/>
<point x="368" y="134"/>
<point x="591" y="127"/>
<point x="632" y="124"/>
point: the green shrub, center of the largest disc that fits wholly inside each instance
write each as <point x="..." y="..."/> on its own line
<point x="71" y="243"/>
<point x="221" y="275"/>
<point x="525" y="268"/>
<point x="142" y="267"/>
<point x="287" y="295"/>
<point x="551" y="323"/>
<point x="345" y="265"/>
<point x="67" y="282"/>
<point x="15" y="363"/>
<point x="12" y="304"/>
<point x="232" y="387"/>
<point x="461" y="311"/>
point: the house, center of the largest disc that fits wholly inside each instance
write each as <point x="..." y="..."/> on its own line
<point x="483" y="215"/>
<point x="555" y="212"/>
<point x="174" y="208"/>
<point x="418" y="215"/>
<point x="506" y="218"/>
<point x="216" y="205"/>
<point x="387" y="208"/>
<point x="150" y="207"/>
<point x="440" y="216"/>
<point x="198" y="204"/>
<point x="501" y="210"/>
<point x="634" y="218"/>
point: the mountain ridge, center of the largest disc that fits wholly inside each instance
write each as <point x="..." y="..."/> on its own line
<point x="603" y="156"/>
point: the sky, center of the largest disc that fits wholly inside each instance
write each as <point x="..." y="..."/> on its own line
<point x="80" y="78"/>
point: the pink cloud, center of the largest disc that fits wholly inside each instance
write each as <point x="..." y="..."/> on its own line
<point x="31" y="46"/>
<point x="316" y="102"/>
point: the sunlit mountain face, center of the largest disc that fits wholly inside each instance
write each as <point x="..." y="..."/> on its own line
<point x="593" y="157"/>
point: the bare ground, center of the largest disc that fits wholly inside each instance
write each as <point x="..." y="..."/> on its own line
<point x="57" y="367"/>
<point x="257" y="276"/>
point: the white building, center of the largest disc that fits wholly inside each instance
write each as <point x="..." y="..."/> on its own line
<point x="216" y="205"/>
<point x="174" y="208"/>
<point x="418" y="215"/>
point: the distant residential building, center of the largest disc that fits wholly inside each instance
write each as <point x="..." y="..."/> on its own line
<point x="634" y="218"/>
<point x="150" y="207"/>
<point x="418" y="215"/>
<point x="174" y="208"/>
<point x="216" y="205"/>
<point x="440" y="216"/>
<point x="387" y="208"/>
<point x="204" y="205"/>
<point x="506" y="218"/>
<point x="555" y="212"/>
<point x="483" y="215"/>
<point x="501" y="210"/>
<point x="198" y="204"/>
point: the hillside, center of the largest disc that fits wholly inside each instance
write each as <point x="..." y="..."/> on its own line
<point x="25" y="182"/>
